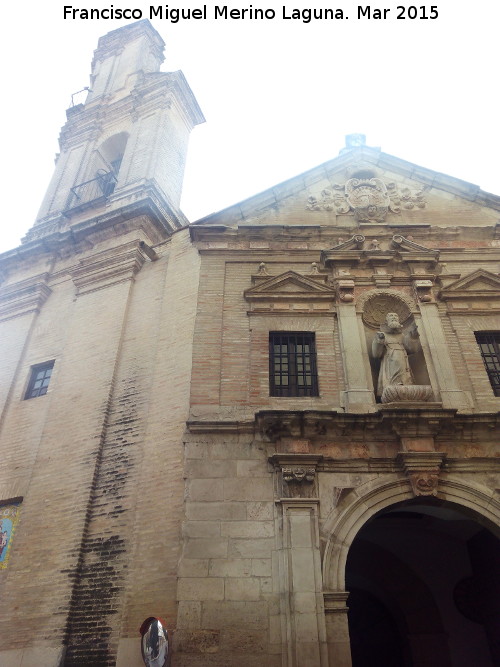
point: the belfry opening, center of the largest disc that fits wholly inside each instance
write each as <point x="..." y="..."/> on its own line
<point x="423" y="578"/>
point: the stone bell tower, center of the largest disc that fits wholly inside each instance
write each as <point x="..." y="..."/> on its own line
<point x="100" y="302"/>
<point x="123" y="152"/>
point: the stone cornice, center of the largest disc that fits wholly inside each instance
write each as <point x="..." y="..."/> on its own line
<point x="109" y="267"/>
<point x="156" y="90"/>
<point x="24" y="297"/>
<point x="220" y="426"/>
<point x="150" y="212"/>
<point x="389" y="423"/>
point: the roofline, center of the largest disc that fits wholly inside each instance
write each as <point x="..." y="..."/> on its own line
<point x="241" y="210"/>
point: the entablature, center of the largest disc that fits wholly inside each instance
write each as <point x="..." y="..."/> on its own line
<point x="141" y="205"/>
<point x="405" y="422"/>
<point x="25" y="296"/>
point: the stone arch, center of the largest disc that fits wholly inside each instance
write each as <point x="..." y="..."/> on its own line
<point x="345" y="521"/>
<point x="113" y="149"/>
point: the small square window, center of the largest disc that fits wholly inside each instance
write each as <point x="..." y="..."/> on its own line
<point x="489" y="346"/>
<point x="292" y="364"/>
<point x="39" y="380"/>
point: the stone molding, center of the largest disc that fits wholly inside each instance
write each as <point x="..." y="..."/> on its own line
<point x="26" y="296"/>
<point x="343" y="523"/>
<point x="137" y="207"/>
<point x="336" y="602"/>
<point x="289" y="290"/>
<point x="403" y="420"/>
<point x="110" y="267"/>
<point x="468" y="294"/>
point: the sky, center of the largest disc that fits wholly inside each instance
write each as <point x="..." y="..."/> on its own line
<point x="278" y="95"/>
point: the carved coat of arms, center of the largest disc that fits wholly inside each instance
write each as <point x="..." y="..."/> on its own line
<point x="368" y="198"/>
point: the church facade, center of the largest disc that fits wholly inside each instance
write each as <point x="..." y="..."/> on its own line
<point x="276" y="428"/>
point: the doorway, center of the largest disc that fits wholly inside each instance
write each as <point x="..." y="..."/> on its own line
<point x="424" y="583"/>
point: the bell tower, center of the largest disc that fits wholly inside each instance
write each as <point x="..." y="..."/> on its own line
<point x="123" y="152"/>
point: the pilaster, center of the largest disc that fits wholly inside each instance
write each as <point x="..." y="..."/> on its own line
<point x="337" y="628"/>
<point x="304" y="631"/>
<point x="358" y="396"/>
<point x="451" y="395"/>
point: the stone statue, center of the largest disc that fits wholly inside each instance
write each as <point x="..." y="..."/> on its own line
<point x="392" y="347"/>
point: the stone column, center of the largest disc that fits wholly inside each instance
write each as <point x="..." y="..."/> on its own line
<point x="358" y="396"/>
<point x="432" y="329"/>
<point x="337" y="629"/>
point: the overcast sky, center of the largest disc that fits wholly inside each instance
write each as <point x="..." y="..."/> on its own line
<point x="278" y="95"/>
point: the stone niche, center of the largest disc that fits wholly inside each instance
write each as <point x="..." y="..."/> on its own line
<point x="413" y="384"/>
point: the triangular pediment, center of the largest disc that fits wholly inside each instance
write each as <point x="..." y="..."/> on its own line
<point x="403" y="194"/>
<point x="480" y="283"/>
<point x="290" y="285"/>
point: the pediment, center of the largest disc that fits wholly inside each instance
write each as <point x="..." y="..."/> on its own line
<point x="358" y="249"/>
<point x="291" y="285"/>
<point x="479" y="284"/>
<point x="478" y="292"/>
<point x="368" y="186"/>
<point x="405" y="245"/>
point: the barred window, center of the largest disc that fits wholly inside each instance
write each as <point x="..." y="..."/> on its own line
<point x="489" y="345"/>
<point x="292" y="364"/>
<point x="39" y="380"/>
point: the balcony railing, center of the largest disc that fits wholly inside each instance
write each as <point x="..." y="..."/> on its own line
<point x="97" y="188"/>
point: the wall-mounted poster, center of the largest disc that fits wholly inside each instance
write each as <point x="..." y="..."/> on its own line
<point x="9" y="515"/>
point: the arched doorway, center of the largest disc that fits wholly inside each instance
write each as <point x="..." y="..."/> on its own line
<point x="424" y="583"/>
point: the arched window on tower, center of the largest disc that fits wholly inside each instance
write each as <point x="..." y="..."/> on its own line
<point x="113" y="150"/>
<point x="111" y="153"/>
<point x="103" y="174"/>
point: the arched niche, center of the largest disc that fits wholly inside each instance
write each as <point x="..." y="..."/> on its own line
<point x="373" y="307"/>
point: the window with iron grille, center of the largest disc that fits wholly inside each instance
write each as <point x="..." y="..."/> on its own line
<point x="39" y="380"/>
<point x="489" y="345"/>
<point x="292" y="364"/>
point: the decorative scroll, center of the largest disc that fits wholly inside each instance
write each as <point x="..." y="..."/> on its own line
<point x="404" y="198"/>
<point x="333" y="199"/>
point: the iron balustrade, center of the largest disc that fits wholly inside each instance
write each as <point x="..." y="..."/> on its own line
<point x="97" y="188"/>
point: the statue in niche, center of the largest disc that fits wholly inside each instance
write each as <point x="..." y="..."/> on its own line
<point x="392" y="347"/>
